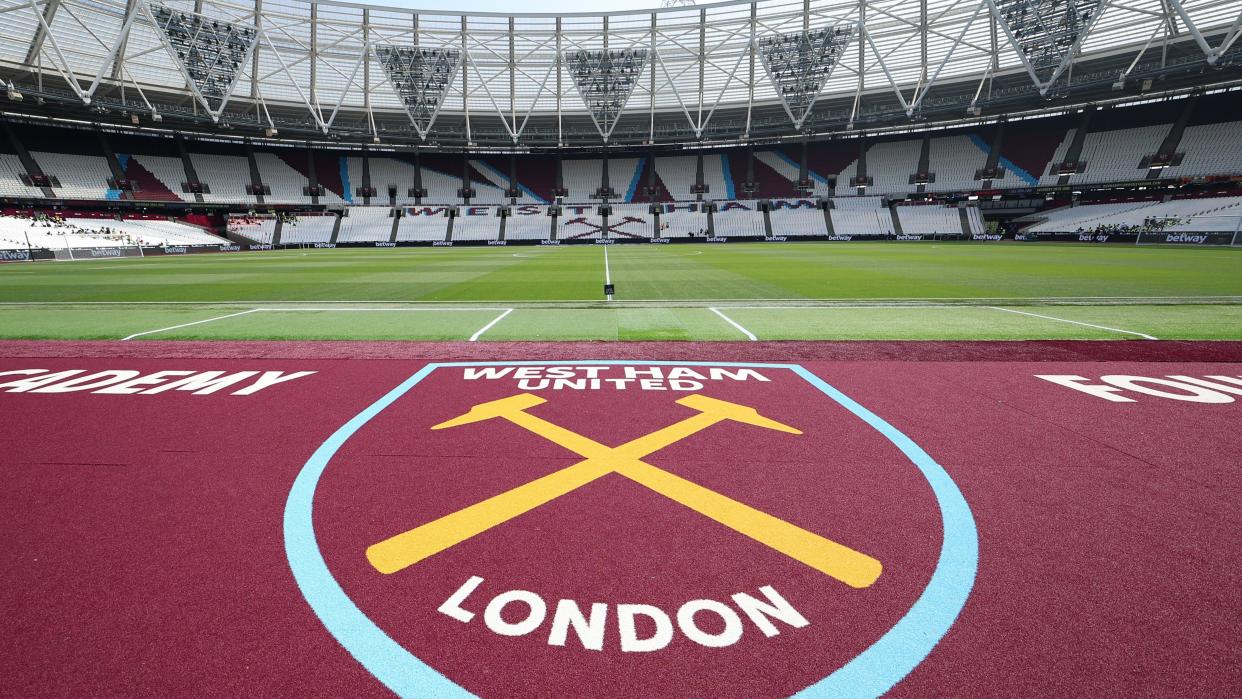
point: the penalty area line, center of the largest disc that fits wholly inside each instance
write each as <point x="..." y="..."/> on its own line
<point x="734" y="323"/>
<point x="485" y="328"/>
<point x="186" y="325"/>
<point x="1075" y="322"/>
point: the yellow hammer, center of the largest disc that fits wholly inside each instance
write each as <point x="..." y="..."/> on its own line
<point x="851" y="567"/>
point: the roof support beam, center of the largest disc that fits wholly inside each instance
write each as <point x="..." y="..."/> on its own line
<point x="36" y="44"/>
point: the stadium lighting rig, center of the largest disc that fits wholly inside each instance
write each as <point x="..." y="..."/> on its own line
<point x="421" y="78"/>
<point x="800" y="63"/>
<point x="209" y="52"/>
<point x="605" y="80"/>
<point x="1046" y="33"/>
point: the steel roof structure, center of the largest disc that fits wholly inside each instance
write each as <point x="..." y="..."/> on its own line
<point x="725" y="72"/>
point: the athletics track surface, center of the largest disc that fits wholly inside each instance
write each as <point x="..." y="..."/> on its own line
<point x="1091" y="548"/>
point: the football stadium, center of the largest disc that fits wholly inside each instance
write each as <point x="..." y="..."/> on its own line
<point x="755" y="348"/>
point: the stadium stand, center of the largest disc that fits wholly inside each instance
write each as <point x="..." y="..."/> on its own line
<point x="308" y="229"/>
<point x="423" y="223"/>
<point x="528" y="222"/>
<point x="1209" y="149"/>
<point x="365" y="224"/>
<point x="677" y="173"/>
<point x="477" y="223"/>
<point x="683" y="220"/>
<point x="738" y="219"/>
<point x="1113" y="156"/>
<point x="55" y="231"/>
<point x="579" y="222"/>
<point x="1071" y="218"/>
<point x="256" y="228"/>
<point x="631" y="221"/>
<point x="582" y="177"/>
<point x="286" y="183"/>
<point x="225" y="175"/>
<point x="864" y="222"/>
<point x="81" y="176"/>
<point x="857" y="203"/>
<point x="1203" y="214"/>
<point x="929" y="220"/>
<point x="390" y="172"/>
<point x="11" y="171"/>
<point x="974" y="221"/>
<point x="797" y="217"/>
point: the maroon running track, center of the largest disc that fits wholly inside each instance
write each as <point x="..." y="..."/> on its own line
<point x="144" y="553"/>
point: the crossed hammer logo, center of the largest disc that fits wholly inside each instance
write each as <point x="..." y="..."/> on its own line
<point x="603" y="229"/>
<point x="851" y="567"/>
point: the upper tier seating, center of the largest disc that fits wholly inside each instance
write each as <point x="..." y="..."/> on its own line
<point x="1210" y="149"/>
<point x="225" y="175"/>
<point x="285" y="182"/>
<point x="81" y="176"/>
<point x="11" y="171"/>
<point x="1049" y="177"/>
<point x="797" y="217"/>
<point x="365" y="224"/>
<point x="581" y="178"/>
<point x="1114" y="156"/>
<point x="741" y="219"/>
<point x="170" y="171"/>
<point x="385" y="173"/>
<point x="954" y="160"/>
<point x="528" y="222"/>
<point x="789" y="169"/>
<point x="677" y="172"/>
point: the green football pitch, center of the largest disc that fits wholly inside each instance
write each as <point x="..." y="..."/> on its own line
<point x="737" y="291"/>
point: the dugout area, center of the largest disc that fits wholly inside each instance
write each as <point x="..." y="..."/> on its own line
<point x="690" y="519"/>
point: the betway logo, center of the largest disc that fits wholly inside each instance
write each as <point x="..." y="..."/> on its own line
<point x="841" y="237"/>
<point x="1184" y="238"/>
<point x="985" y="236"/>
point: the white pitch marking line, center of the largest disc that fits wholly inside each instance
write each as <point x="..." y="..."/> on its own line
<point x="186" y="325"/>
<point x="607" y="271"/>
<point x="365" y="310"/>
<point x="485" y="328"/>
<point x="732" y="322"/>
<point x="1075" y="322"/>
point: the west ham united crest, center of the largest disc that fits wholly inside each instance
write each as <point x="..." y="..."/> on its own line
<point x="629" y="529"/>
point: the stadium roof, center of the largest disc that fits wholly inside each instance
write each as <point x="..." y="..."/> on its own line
<point x="721" y="71"/>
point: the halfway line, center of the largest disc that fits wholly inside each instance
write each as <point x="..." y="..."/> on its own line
<point x="607" y="271"/>
<point x="1075" y="322"/>
<point x="732" y="322"/>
